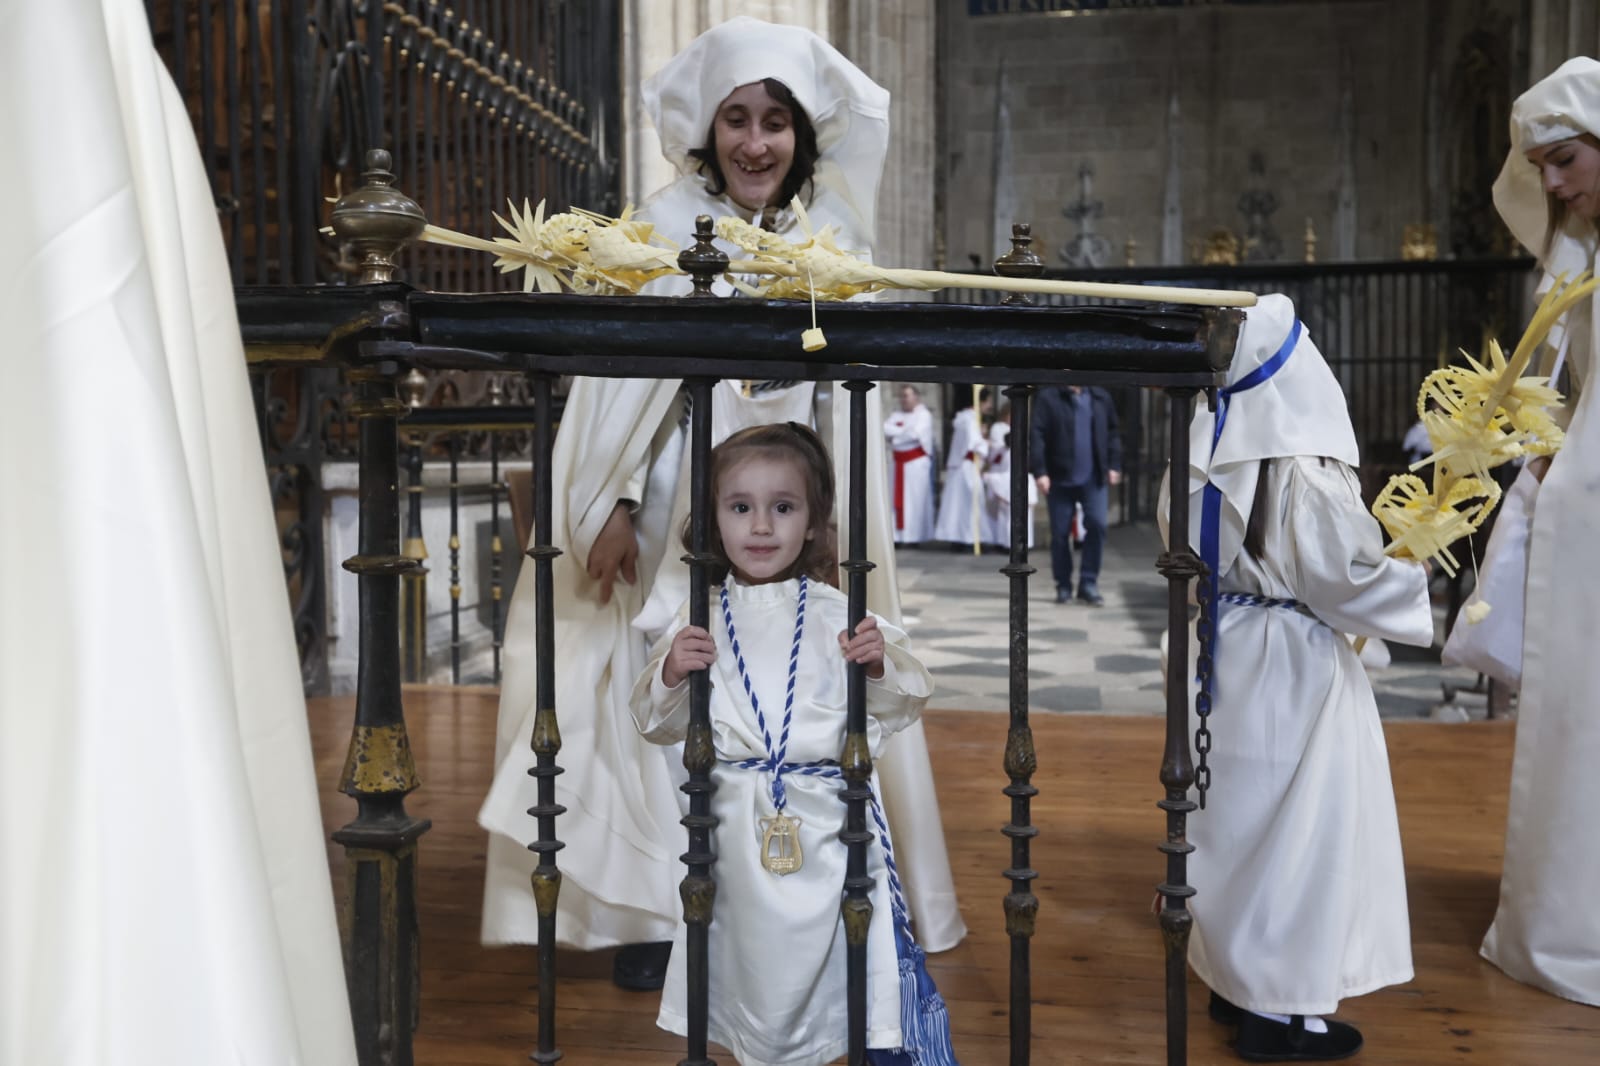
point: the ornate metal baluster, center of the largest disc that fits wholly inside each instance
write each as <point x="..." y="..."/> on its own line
<point x="455" y="558"/>
<point x="381" y="944"/>
<point x="496" y="593"/>
<point x="855" y="762"/>
<point x="1021" y="905"/>
<point x="414" y="585"/>
<point x="705" y="261"/>
<point x="1178" y="565"/>
<point x="546" y="739"/>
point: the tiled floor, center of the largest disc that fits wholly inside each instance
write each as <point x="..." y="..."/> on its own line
<point x="1085" y="658"/>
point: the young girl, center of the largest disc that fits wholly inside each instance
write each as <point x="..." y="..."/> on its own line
<point x="1300" y="888"/>
<point x="777" y="652"/>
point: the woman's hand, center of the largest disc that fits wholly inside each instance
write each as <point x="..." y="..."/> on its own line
<point x="692" y="649"/>
<point x="616" y="550"/>
<point x="1540" y="465"/>
<point x="866" y="647"/>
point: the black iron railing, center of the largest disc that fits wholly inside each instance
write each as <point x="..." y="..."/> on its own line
<point x="1383" y="326"/>
<point x="377" y="334"/>
<point x="485" y="99"/>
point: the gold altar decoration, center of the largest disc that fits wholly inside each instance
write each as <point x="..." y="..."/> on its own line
<point x="1419" y="241"/>
<point x="1477" y="416"/>
<point x="1221" y="248"/>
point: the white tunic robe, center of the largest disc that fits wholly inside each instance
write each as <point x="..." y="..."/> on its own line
<point x="777" y="943"/>
<point x="1300" y="892"/>
<point x="910" y="438"/>
<point x="997" y="489"/>
<point x="961" y="502"/>
<point x="1545" y="932"/>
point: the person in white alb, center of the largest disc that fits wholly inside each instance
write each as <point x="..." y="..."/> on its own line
<point x="777" y="942"/>
<point x="997" y="484"/>
<point x="1544" y="930"/>
<point x="909" y="432"/>
<point x="1300" y="888"/>
<point x="961" y="499"/>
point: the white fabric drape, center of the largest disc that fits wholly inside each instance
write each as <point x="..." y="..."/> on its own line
<point x="1544" y="932"/>
<point x="165" y="895"/>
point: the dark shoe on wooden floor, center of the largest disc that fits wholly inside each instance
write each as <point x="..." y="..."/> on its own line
<point x="1222" y="1012"/>
<point x="1264" y="1040"/>
<point x="641" y="967"/>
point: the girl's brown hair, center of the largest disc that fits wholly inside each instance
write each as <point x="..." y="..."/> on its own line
<point x="818" y="559"/>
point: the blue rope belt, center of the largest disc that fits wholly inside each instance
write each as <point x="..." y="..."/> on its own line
<point x="1250" y="599"/>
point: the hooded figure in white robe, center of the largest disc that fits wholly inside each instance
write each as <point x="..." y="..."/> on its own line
<point x="622" y="440"/>
<point x="164" y="897"/>
<point x="1544" y="931"/>
<point x="1300" y="894"/>
<point x="961" y="499"/>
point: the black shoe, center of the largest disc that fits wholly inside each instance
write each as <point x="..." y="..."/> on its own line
<point x="1222" y="1012"/>
<point x="641" y="967"/>
<point x="1063" y="595"/>
<point x="1090" y="595"/>
<point x="1264" y="1040"/>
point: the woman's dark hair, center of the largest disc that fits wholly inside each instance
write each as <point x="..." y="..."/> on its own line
<point x="818" y="558"/>
<point x="801" y="168"/>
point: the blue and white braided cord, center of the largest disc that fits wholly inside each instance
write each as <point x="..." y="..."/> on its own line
<point x="827" y="768"/>
<point x="1250" y="599"/>
<point x="774" y="761"/>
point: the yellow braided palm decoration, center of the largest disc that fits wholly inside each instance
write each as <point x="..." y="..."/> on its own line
<point x="1477" y="416"/>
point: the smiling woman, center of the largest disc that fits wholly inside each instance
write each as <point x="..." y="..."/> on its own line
<point x="753" y="116"/>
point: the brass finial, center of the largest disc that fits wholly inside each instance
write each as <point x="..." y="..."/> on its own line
<point x="1130" y="252"/>
<point x="705" y="261"/>
<point x="1311" y="242"/>
<point x="377" y="219"/>
<point x="1020" y="262"/>
<point x="412" y="388"/>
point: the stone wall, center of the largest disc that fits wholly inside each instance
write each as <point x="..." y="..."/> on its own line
<point x="1342" y="105"/>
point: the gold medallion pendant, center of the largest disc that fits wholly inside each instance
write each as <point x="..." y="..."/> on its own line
<point x="780" y="844"/>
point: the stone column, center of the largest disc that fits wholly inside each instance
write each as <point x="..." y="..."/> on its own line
<point x="894" y="42"/>
<point x="1559" y="30"/>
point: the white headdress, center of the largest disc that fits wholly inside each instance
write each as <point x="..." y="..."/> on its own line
<point x="849" y="110"/>
<point x="1562" y="105"/>
<point x="1281" y="399"/>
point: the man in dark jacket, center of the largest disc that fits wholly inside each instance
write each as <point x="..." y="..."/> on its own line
<point x="1076" y="453"/>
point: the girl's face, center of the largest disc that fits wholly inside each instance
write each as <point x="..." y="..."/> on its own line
<point x="1570" y="172"/>
<point x="754" y="137"/>
<point x="764" y="516"/>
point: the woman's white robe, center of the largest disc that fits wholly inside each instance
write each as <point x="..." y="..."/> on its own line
<point x="1544" y="931"/>
<point x="777" y="943"/>
<point x="1300" y="892"/>
<point x="911" y="479"/>
<point x="620" y="439"/>
<point x="961" y="500"/>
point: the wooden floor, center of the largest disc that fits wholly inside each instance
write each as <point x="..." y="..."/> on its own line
<point x="1097" y="957"/>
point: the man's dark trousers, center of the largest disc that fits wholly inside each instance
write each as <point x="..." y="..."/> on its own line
<point x="1060" y="500"/>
